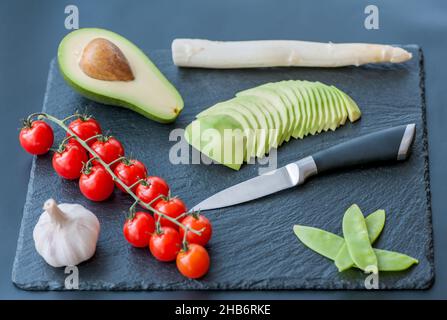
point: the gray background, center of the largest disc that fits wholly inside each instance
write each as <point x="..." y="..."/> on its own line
<point x="31" y="30"/>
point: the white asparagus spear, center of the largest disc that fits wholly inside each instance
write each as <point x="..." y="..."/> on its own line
<point x="280" y="53"/>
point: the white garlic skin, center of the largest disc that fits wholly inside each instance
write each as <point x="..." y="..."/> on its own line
<point x="66" y="234"/>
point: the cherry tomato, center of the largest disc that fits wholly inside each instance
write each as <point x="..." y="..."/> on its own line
<point x="108" y="149"/>
<point x="197" y="222"/>
<point x="85" y="127"/>
<point x="129" y="172"/>
<point x="139" y="229"/>
<point x="151" y="188"/>
<point x="194" y="262"/>
<point x="96" y="183"/>
<point x="165" y="245"/>
<point x="172" y="207"/>
<point x="36" y="137"/>
<point x="68" y="162"/>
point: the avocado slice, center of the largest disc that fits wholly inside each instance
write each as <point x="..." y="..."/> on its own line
<point x="264" y="110"/>
<point x="316" y="108"/>
<point x="275" y="102"/>
<point x="228" y="108"/>
<point x="308" y="106"/>
<point x="352" y="109"/>
<point x="262" y="131"/>
<point x="320" y="114"/>
<point x="283" y="91"/>
<point x="249" y="123"/>
<point x="294" y="108"/>
<point x="325" y="113"/>
<point x="301" y="111"/>
<point x="339" y="111"/>
<point x="285" y="87"/>
<point x="207" y="135"/>
<point x="331" y="112"/>
<point x="276" y="130"/>
<point x="271" y="117"/>
<point x="106" y="67"/>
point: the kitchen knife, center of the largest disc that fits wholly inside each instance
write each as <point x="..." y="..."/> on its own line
<point x="391" y="144"/>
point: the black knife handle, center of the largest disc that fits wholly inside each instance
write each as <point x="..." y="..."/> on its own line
<point x="385" y="145"/>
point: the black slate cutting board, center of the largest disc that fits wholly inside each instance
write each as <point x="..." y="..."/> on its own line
<point x="253" y="246"/>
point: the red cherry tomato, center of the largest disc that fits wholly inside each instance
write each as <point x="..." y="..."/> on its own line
<point x="129" y="172"/>
<point x="139" y="229"/>
<point x="36" y="137"/>
<point x="84" y="128"/>
<point x="108" y="149"/>
<point x="197" y="222"/>
<point x="172" y="207"/>
<point x="69" y="161"/>
<point x="165" y="245"/>
<point x="151" y="188"/>
<point x="96" y="183"/>
<point x="194" y="262"/>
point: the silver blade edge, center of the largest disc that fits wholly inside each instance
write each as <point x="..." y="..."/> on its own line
<point x="260" y="186"/>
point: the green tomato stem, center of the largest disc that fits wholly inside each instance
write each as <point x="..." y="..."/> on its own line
<point x="184" y="242"/>
<point x="155" y="199"/>
<point x="116" y="160"/>
<point x="69" y="117"/>
<point x="61" y="124"/>
<point x="135" y="184"/>
<point x="93" y="137"/>
<point x="65" y="140"/>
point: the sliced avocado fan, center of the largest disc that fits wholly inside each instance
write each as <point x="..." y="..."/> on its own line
<point x="266" y="116"/>
<point x="106" y="67"/>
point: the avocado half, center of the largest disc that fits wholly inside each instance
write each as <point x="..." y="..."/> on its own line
<point x="148" y="93"/>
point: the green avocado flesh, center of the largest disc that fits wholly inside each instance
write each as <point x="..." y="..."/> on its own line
<point x="149" y="93"/>
<point x="267" y="116"/>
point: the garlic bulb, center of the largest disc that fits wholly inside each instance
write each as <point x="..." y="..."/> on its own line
<point x="66" y="234"/>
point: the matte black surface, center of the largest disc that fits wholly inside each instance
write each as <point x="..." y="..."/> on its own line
<point x="253" y="246"/>
<point x="381" y="146"/>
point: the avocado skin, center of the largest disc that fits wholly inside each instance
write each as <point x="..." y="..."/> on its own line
<point x="114" y="102"/>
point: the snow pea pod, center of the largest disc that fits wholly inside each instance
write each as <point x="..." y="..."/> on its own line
<point x="321" y="241"/>
<point x="325" y="243"/>
<point x="374" y="224"/>
<point x="393" y="261"/>
<point x="357" y="240"/>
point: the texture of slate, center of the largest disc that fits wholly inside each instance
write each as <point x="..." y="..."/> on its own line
<point x="253" y="246"/>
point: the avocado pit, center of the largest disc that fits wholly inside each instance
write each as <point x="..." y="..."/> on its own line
<point x="103" y="60"/>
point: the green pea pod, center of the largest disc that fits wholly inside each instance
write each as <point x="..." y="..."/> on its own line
<point x="393" y="261"/>
<point x="357" y="240"/>
<point x="322" y="242"/>
<point x="374" y="224"/>
<point x="325" y="243"/>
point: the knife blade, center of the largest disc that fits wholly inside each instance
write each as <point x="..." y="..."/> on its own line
<point x="392" y="144"/>
<point x="277" y="180"/>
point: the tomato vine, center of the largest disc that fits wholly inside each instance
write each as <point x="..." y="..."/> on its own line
<point x="107" y="166"/>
